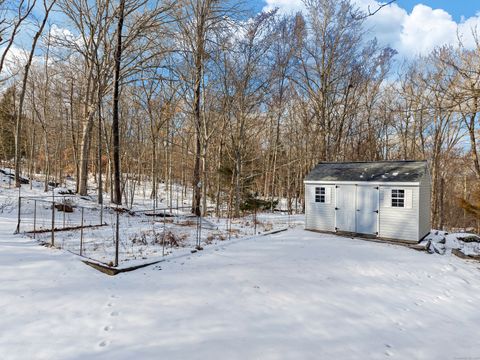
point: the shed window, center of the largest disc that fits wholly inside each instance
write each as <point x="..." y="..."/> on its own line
<point x="320" y="194"/>
<point x="398" y="198"/>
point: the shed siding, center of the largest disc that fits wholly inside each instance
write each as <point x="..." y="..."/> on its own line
<point x="319" y="216"/>
<point x="424" y="224"/>
<point x="399" y="223"/>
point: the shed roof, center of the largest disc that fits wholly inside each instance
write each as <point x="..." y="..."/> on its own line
<point x="371" y="171"/>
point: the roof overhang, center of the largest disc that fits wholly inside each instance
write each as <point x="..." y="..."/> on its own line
<point x="363" y="183"/>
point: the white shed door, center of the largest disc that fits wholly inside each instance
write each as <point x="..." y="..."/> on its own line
<point x="345" y="208"/>
<point x="367" y="209"/>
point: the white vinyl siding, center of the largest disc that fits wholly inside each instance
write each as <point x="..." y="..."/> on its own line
<point x="410" y="222"/>
<point x="424" y="224"/>
<point x="386" y="208"/>
<point x="399" y="222"/>
<point x="319" y="215"/>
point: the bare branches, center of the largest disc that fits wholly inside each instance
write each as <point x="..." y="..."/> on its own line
<point x="371" y="12"/>
<point x="24" y="9"/>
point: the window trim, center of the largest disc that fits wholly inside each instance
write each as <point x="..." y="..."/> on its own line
<point x="320" y="194"/>
<point x="397" y="198"/>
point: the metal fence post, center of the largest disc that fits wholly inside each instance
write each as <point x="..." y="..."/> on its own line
<point x="34" y="218"/>
<point x="255" y="219"/>
<point x="163" y="235"/>
<point x="164" y="221"/>
<point x="154" y="209"/>
<point x="81" y="234"/>
<point x="63" y="207"/>
<point x="53" y="224"/>
<point x="19" y="214"/>
<point x="200" y="231"/>
<point x="117" y="231"/>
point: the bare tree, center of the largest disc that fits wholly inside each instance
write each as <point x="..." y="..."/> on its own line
<point x="117" y="193"/>
<point x="24" y="9"/>
<point x="47" y="7"/>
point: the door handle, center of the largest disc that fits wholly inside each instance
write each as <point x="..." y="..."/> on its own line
<point x="376" y="211"/>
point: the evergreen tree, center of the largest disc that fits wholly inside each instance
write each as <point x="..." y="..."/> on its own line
<point x="7" y="124"/>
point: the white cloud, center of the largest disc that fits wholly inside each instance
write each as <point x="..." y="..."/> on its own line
<point x="285" y="6"/>
<point x="468" y="29"/>
<point x="60" y="32"/>
<point x="387" y="24"/>
<point x="410" y="34"/>
<point x="15" y="58"/>
<point x="426" y="28"/>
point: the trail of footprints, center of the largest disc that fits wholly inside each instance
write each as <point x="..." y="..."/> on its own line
<point x="108" y="328"/>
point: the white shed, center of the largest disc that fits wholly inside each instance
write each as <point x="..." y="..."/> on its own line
<point x="383" y="199"/>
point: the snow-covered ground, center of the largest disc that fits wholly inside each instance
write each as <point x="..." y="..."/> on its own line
<point x="142" y="238"/>
<point x="442" y="242"/>
<point x="292" y="295"/>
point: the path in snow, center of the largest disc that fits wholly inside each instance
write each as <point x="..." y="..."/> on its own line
<point x="293" y="295"/>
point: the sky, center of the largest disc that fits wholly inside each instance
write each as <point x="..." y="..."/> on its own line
<point x="409" y="26"/>
<point x="457" y="8"/>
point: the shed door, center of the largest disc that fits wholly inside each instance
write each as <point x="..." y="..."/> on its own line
<point x="345" y="208"/>
<point x="367" y="209"/>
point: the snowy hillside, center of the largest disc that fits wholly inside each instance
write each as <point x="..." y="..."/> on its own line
<point x="294" y="295"/>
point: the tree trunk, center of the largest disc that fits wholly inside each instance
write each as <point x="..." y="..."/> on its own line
<point x="117" y="193"/>
<point x="85" y="154"/>
<point x="197" y="195"/>
<point x="18" y="127"/>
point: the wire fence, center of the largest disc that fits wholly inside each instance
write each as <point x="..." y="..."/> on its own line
<point x="108" y="234"/>
<point x="113" y="235"/>
<point x="58" y="213"/>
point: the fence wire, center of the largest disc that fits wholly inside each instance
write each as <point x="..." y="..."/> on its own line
<point x="113" y="235"/>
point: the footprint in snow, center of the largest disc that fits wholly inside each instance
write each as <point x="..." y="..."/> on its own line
<point x="114" y="313"/>
<point x="107" y="328"/>
<point x="103" y="343"/>
<point x="449" y="267"/>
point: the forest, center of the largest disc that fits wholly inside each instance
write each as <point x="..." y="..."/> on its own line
<point x="234" y="105"/>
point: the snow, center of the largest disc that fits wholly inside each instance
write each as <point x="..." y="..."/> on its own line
<point x="290" y="295"/>
<point x="141" y="236"/>
<point x="443" y="243"/>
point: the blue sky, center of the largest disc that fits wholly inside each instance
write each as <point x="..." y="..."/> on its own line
<point x="456" y="8"/>
<point x="459" y="9"/>
<point x="411" y="27"/>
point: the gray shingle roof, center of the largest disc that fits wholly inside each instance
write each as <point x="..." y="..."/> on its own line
<point x="378" y="171"/>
